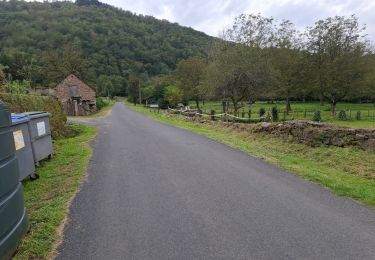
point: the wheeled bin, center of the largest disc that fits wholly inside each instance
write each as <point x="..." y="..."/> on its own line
<point x="40" y="134"/>
<point x="13" y="218"/>
<point x="22" y="141"/>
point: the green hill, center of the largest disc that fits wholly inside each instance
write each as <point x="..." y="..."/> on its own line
<point x="42" y="42"/>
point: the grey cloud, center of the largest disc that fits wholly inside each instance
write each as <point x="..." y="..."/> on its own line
<point x="211" y="16"/>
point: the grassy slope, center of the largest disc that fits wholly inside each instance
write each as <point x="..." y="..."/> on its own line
<point x="47" y="198"/>
<point x="367" y="111"/>
<point x="346" y="171"/>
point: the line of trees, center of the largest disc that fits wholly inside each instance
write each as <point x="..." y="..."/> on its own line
<point x="261" y="58"/>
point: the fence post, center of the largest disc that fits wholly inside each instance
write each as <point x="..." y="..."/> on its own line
<point x="213" y="115"/>
<point x="304" y="114"/>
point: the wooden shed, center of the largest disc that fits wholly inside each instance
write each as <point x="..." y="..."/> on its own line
<point x="78" y="99"/>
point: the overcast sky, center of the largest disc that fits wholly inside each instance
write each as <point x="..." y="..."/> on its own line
<point x="210" y="16"/>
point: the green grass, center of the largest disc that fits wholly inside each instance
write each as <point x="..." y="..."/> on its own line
<point x="299" y="108"/>
<point x="345" y="171"/>
<point x="47" y="199"/>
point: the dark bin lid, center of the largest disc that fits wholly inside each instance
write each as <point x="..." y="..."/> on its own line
<point x="4" y="115"/>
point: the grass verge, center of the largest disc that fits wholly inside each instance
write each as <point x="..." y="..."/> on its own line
<point x="345" y="171"/>
<point x="48" y="198"/>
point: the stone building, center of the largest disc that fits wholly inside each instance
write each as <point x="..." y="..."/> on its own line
<point x="77" y="98"/>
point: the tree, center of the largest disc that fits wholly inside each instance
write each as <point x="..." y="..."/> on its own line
<point x="252" y="30"/>
<point x="286" y="58"/>
<point x="238" y="72"/>
<point x="337" y="46"/>
<point x="58" y="64"/>
<point x="173" y="95"/>
<point x="189" y="76"/>
<point x="134" y="87"/>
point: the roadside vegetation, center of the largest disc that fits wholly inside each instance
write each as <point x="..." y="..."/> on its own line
<point x="347" y="172"/>
<point x="47" y="199"/>
<point x="305" y="111"/>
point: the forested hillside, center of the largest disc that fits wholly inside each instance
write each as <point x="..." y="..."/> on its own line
<point x="43" y="42"/>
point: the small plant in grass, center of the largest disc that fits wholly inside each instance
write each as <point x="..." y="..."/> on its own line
<point x="317" y="116"/>
<point x="275" y="114"/>
<point x="268" y="117"/>
<point x="358" y="115"/>
<point x="342" y="115"/>
<point x="262" y="111"/>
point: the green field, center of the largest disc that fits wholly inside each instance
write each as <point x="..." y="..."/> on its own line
<point x="305" y="111"/>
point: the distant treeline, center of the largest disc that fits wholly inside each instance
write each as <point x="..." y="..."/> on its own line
<point x="43" y="42"/>
<point x="260" y="58"/>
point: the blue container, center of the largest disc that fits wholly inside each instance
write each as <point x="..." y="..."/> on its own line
<point x="22" y="141"/>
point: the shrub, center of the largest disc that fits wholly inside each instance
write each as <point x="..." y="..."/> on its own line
<point x="268" y="117"/>
<point x="317" y="116"/>
<point x="262" y="111"/>
<point x="358" y="115"/>
<point x="342" y="115"/>
<point x="275" y="114"/>
<point x="100" y="103"/>
<point x="24" y="103"/>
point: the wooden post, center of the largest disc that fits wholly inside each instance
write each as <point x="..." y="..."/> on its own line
<point x="213" y="115"/>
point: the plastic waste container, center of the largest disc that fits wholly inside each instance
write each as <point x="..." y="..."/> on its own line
<point x="40" y="134"/>
<point x="22" y="141"/>
<point x="13" y="218"/>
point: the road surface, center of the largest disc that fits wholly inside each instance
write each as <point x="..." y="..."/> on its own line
<point x="154" y="191"/>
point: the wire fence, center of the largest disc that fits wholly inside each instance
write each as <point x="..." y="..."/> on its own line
<point x="254" y="116"/>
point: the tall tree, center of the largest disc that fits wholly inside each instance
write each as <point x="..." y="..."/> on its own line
<point x="286" y="56"/>
<point x="189" y="76"/>
<point x="238" y="72"/>
<point x="338" y="45"/>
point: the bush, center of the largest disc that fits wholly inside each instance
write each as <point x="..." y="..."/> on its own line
<point x="24" y="103"/>
<point x="262" y="111"/>
<point x="275" y="114"/>
<point x="358" y="115"/>
<point x="317" y="116"/>
<point x="342" y="115"/>
<point x="100" y="103"/>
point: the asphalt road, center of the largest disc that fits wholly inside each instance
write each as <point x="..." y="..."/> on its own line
<point x="154" y="191"/>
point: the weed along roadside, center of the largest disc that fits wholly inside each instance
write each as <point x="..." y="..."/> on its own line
<point x="26" y="142"/>
<point x="347" y="171"/>
<point x="47" y="199"/>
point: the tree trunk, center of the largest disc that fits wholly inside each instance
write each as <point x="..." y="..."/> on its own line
<point x="288" y="108"/>
<point x="333" y="108"/>
<point x="235" y="107"/>
<point x="197" y="104"/>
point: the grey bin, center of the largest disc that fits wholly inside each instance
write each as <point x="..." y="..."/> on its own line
<point x="13" y="218"/>
<point x="22" y="141"/>
<point x="40" y="134"/>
